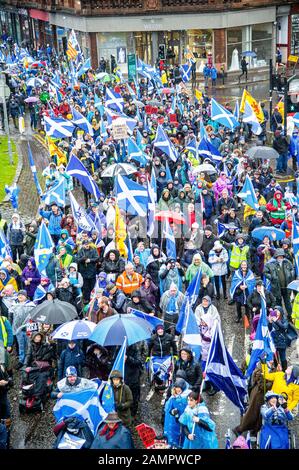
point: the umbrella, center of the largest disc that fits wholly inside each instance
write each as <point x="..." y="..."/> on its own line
<point x="294" y="285"/>
<point x="166" y="91"/>
<point x="205" y="168"/>
<point x="73" y="330"/>
<point x="35" y="82"/>
<point x="118" y="169"/>
<point x="140" y="104"/>
<point x="101" y="75"/>
<point x="296" y="119"/>
<point x="112" y="330"/>
<point x="272" y="232"/>
<point x="262" y="152"/>
<point x="31" y="99"/>
<point x="249" y="54"/>
<point x="54" y="312"/>
<point x="170" y="215"/>
<point x="155" y="103"/>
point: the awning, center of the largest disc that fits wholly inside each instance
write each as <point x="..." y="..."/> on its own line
<point x="39" y="15"/>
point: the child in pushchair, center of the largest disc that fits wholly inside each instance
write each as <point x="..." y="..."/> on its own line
<point x="36" y="386"/>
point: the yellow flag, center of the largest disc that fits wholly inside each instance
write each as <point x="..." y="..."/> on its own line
<point x="54" y="150"/>
<point x="253" y="103"/>
<point x="280" y="107"/>
<point x="120" y="233"/>
<point x="198" y="94"/>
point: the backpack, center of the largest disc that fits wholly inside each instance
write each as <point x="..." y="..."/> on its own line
<point x="73" y="433"/>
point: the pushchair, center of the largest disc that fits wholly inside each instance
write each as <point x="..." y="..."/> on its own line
<point x="36" y="386"/>
<point x="73" y="433"/>
<point x="159" y="371"/>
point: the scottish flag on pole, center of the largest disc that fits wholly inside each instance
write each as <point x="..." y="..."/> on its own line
<point x="190" y="332"/>
<point x="85" y="405"/>
<point x="33" y="169"/>
<point x="207" y="150"/>
<point x="152" y="195"/>
<point x="86" y="66"/>
<point x="119" y="363"/>
<point x="192" y="147"/>
<point x="223" y="116"/>
<point x="262" y="342"/>
<point x="237" y="110"/>
<point x="114" y="100"/>
<point x="58" y="127"/>
<point x="247" y="193"/>
<point x="82" y="220"/>
<point x="186" y="72"/>
<point x="76" y="169"/>
<point x="81" y="121"/>
<point x="4" y="247"/>
<point x="223" y="372"/>
<point x="250" y="117"/>
<point x="170" y="240"/>
<point x="135" y="153"/>
<point x="13" y="193"/>
<point x="295" y="243"/>
<point x="55" y="194"/>
<point x="163" y="143"/>
<point x="193" y="289"/>
<point x="131" y="196"/>
<point x="43" y="248"/>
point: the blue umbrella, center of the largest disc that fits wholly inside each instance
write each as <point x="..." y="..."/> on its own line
<point x="294" y="285"/>
<point x="154" y="321"/>
<point x="112" y="330"/>
<point x="272" y="232"/>
<point x="74" y="330"/>
<point x="249" y="54"/>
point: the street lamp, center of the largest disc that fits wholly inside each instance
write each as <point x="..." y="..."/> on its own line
<point x="4" y="95"/>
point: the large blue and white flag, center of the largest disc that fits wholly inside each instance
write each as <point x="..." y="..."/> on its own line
<point x="247" y="193"/>
<point x="152" y="320"/>
<point x="170" y="240"/>
<point x="192" y="147"/>
<point x="186" y="72"/>
<point x="151" y="209"/>
<point x="81" y="218"/>
<point x="5" y="249"/>
<point x="114" y="100"/>
<point x="76" y="169"/>
<point x="237" y="110"/>
<point x="295" y="244"/>
<point x="250" y="117"/>
<point x="238" y="279"/>
<point x="202" y="130"/>
<point x="263" y="342"/>
<point x="119" y="363"/>
<point x="84" y="68"/>
<point x="145" y="70"/>
<point x="135" y="153"/>
<point x="207" y="150"/>
<point x="223" y="372"/>
<point x="43" y="248"/>
<point x="81" y="121"/>
<point x="221" y="228"/>
<point x="223" y="116"/>
<point x="13" y="194"/>
<point x="58" y="128"/>
<point x="131" y="196"/>
<point x="163" y="143"/>
<point x="190" y="332"/>
<point x="84" y="404"/>
<point x="55" y="194"/>
<point x="193" y="289"/>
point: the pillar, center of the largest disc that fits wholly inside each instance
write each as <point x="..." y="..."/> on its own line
<point x="93" y="50"/>
<point x="220" y="47"/>
<point x="154" y="46"/>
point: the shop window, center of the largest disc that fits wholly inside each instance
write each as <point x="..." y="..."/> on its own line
<point x="261" y="43"/>
<point x="295" y="35"/>
<point x="200" y="42"/>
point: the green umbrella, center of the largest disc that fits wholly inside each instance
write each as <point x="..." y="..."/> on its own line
<point x="44" y="96"/>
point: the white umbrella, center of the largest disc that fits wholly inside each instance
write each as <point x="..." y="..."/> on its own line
<point x="74" y="330"/>
<point x="204" y="168"/>
<point x="101" y="75"/>
<point x="35" y="81"/>
<point x="118" y="169"/>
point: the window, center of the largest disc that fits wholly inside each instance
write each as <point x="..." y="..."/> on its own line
<point x="262" y="42"/>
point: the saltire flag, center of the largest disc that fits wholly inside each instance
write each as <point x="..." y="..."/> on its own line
<point x="202" y="130"/>
<point x="152" y="320"/>
<point x="76" y="169"/>
<point x="130" y="122"/>
<point x="227" y="440"/>
<point x="247" y="193"/>
<point x="5" y="249"/>
<point x="144" y="69"/>
<point x="250" y="118"/>
<point x="151" y="209"/>
<point x="222" y="371"/>
<point x="192" y="147"/>
<point x="13" y="194"/>
<point x="85" y="404"/>
<point x="114" y="100"/>
<point x="163" y="143"/>
<point x="84" y="68"/>
<point x="170" y="240"/>
<point x="55" y="194"/>
<point x="191" y="296"/>
<point x="167" y="172"/>
<point x="135" y="153"/>
<point x="58" y="127"/>
<point x="82" y="219"/>
<point x="263" y="342"/>
<point x="221" y="228"/>
<point x="238" y="279"/>
<point x="223" y="116"/>
<point x="81" y="121"/>
<point x="190" y="333"/>
<point x="43" y="248"/>
<point x="237" y="110"/>
<point x="295" y="244"/>
<point x="131" y="196"/>
<point x="119" y="363"/>
<point x="186" y="72"/>
<point x="40" y="292"/>
<point x="246" y="97"/>
<point x="207" y="150"/>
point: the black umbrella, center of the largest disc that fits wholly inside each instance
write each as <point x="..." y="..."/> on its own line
<point x="54" y="312"/>
<point x="262" y="152"/>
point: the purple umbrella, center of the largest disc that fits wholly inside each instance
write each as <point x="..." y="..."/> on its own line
<point x="31" y="99"/>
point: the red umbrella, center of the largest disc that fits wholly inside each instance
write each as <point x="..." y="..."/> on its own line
<point x="166" y="91"/>
<point x="170" y="215"/>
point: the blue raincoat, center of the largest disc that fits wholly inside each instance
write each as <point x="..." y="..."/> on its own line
<point x="173" y="430"/>
<point x="203" y="439"/>
<point x="274" y="432"/>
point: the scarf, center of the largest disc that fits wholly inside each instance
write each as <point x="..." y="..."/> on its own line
<point x="172" y="306"/>
<point x="109" y="432"/>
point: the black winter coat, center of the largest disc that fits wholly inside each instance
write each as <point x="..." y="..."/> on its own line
<point x="254" y="300"/>
<point x="193" y="373"/>
<point x="99" y="367"/>
<point x="66" y="295"/>
<point x="70" y="357"/>
<point x="207" y="245"/>
<point x="164" y="345"/>
<point x="134" y="365"/>
<point x="88" y="270"/>
<point x="38" y="352"/>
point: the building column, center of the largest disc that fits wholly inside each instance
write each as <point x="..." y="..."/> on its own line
<point x="219" y="47"/>
<point x="54" y="37"/>
<point x="93" y="50"/>
<point x="154" y="46"/>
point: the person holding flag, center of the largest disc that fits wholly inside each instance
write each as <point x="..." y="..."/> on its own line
<point x="243" y="284"/>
